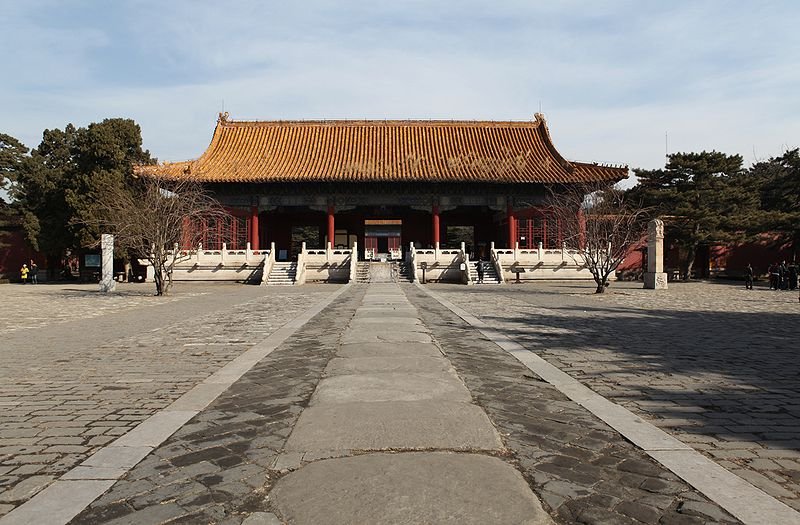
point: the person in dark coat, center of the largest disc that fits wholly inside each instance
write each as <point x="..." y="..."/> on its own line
<point x="774" y="279"/>
<point x="34" y="272"/>
<point x="480" y="271"/>
<point x="793" y="276"/>
<point x="748" y="277"/>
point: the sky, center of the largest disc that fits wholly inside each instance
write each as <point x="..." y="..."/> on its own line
<point x="620" y="82"/>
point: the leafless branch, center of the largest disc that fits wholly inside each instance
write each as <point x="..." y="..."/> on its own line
<point x="157" y="215"/>
<point x="599" y="224"/>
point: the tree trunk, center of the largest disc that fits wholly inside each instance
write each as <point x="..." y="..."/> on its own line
<point x="168" y="282"/>
<point x="127" y="268"/>
<point x="688" y="264"/>
<point x="159" y="279"/>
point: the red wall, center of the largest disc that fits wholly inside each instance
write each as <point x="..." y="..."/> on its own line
<point x="18" y="252"/>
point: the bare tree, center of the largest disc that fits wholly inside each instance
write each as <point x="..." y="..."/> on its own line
<point x="155" y="216"/>
<point x="599" y="225"/>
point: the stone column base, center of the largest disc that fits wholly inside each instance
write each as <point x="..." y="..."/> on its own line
<point x="655" y="280"/>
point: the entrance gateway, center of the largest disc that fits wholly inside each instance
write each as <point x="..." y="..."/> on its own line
<point x="383" y="186"/>
<point x="382" y="238"/>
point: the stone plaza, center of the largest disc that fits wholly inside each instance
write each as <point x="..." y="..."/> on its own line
<point x="399" y="403"/>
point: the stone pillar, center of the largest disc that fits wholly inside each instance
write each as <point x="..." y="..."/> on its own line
<point x="435" y="226"/>
<point x="331" y="226"/>
<point x="107" y="283"/>
<point x="254" y="228"/>
<point x="655" y="278"/>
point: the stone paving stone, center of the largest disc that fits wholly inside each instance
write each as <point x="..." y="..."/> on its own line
<point x="218" y="468"/>
<point x="410" y="487"/>
<point x="712" y="364"/>
<point x="571" y="459"/>
<point x="93" y="366"/>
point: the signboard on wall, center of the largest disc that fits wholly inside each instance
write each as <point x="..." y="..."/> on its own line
<point x="91" y="260"/>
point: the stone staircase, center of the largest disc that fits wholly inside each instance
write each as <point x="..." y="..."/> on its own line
<point x="282" y="274"/>
<point x="404" y="271"/>
<point x="489" y="273"/>
<point x="362" y="272"/>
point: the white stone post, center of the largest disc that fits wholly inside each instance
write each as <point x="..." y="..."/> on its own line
<point x="655" y="278"/>
<point x="107" y="283"/>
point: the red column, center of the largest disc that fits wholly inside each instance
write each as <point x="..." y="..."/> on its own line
<point x="331" y="225"/>
<point x="435" y="212"/>
<point x="254" y="228"/>
<point x="186" y="235"/>
<point x="512" y="227"/>
<point x="582" y="227"/>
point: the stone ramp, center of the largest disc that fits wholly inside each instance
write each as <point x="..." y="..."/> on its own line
<point x="388" y="395"/>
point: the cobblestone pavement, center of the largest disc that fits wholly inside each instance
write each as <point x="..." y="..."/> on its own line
<point x="714" y="364"/>
<point x="28" y="307"/>
<point x="220" y="467"/>
<point x="80" y="368"/>
<point x="578" y="466"/>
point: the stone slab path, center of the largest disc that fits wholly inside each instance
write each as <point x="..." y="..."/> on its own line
<point x="398" y="405"/>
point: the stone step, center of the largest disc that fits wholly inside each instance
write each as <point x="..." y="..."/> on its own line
<point x="489" y="273"/>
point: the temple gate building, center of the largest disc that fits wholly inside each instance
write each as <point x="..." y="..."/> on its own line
<point x="378" y="190"/>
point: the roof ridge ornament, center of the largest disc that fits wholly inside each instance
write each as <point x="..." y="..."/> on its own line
<point x="223" y="117"/>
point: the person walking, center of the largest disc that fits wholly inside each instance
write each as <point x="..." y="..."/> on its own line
<point x="774" y="279"/>
<point x="23" y="272"/>
<point x="34" y="272"/>
<point x="783" y="276"/>
<point x="748" y="277"/>
<point x="480" y="270"/>
<point x="793" y="276"/>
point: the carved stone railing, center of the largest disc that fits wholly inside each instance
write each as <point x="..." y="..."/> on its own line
<point x="202" y="264"/>
<point x="300" y="271"/>
<point x="412" y="262"/>
<point x="441" y="264"/>
<point x="353" y="263"/>
<point x="498" y="268"/>
<point x="467" y="273"/>
<point x="328" y="265"/>
<point x="269" y="263"/>
<point x="539" y="263"/>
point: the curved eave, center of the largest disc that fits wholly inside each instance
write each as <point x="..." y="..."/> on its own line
<point x="383" y="151"/>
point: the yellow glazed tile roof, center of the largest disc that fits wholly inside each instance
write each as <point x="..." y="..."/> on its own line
<point x="383" y="151"/>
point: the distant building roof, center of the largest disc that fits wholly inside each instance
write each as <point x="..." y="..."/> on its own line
<point x="383" y="151"/>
